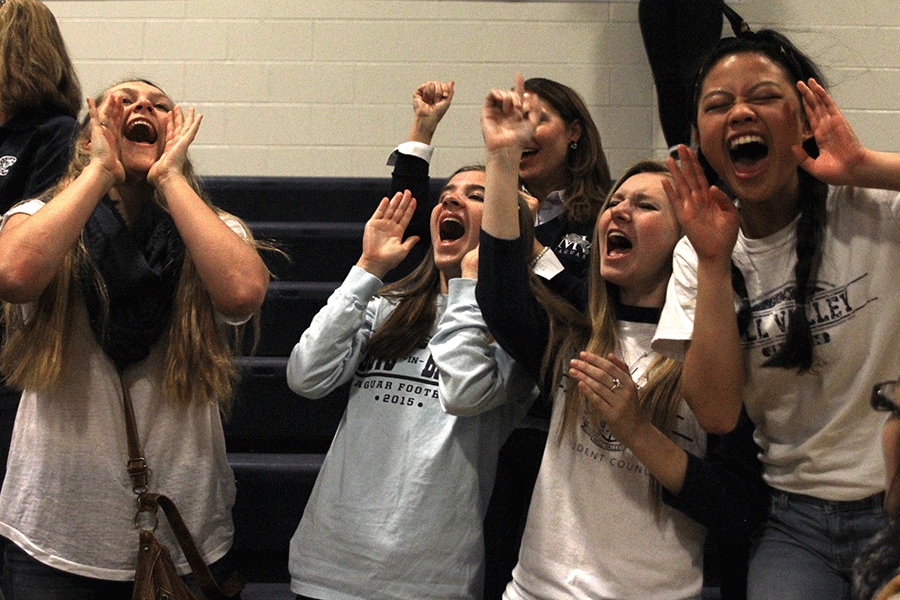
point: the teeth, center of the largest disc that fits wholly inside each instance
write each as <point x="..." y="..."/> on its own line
<point x="616" y="240"/>
<point x="746" y="139"/>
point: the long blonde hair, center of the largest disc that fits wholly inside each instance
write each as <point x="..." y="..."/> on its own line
<point x="198" y="364"/>
<point x="597" y="332"/>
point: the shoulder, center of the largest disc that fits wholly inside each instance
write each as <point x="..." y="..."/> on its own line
<point x="42" y="121"/>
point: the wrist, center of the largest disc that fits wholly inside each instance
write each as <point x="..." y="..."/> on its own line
<point x="422" y="131"/>
<point x="503" y="156"/>
<point x="166" y="181"/>
<point x="372" y="268"/>
<point x="100" y="173"/>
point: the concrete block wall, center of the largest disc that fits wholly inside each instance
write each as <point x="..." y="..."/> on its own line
<point x="313" y="88"/>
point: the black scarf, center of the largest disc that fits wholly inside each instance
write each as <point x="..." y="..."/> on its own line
<point x="140" y="267"/>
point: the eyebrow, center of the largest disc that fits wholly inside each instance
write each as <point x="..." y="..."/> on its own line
<point x="155" y="96"/>
<point x="753" y="88"/>
<point x="467" y="187"/>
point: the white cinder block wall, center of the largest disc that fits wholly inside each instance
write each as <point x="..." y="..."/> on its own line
<point x="323" y="87"/>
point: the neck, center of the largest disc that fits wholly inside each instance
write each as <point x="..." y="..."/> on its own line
<point x="653" y="296"/>
<point x="542" y="189"/>
<point x="130" y="198"/>
<point x="761" y="218"/>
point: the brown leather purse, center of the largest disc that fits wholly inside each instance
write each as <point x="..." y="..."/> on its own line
<point x="155" y="576"/>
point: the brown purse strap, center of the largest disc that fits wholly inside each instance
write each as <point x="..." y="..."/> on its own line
<point x="147" y="502"/>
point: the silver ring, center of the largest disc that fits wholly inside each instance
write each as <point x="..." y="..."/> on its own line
<point x="616" y="384"/>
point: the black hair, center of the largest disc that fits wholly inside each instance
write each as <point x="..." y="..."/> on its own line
<point x="797" y="350"/>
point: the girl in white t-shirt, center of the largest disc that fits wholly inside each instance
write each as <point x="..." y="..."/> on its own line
<point x="811" y="248"/>
<point x="121" y="276"/>
<point x="622" y="442"/>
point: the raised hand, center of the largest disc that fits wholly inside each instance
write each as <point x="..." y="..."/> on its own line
<point x="181" y="129"/>
<point x="610" y="393"/>
<point x="707" y="216"/>
<point x="430" y="102"/>
<point x="840" y="151"/>
<point x="383" y="244"/>
<point x="509" y="118"/>
<point x="106" y="123"/>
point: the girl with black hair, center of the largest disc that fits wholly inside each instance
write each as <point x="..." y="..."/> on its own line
<point x="805" y="259"/>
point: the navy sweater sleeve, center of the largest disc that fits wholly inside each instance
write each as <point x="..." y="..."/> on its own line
<point x="725" y="492"/>
<point x="411" y="173"/>
<point x="513" y="315"/>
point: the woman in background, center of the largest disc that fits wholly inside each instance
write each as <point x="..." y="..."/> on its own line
<point x="39" y="101"/>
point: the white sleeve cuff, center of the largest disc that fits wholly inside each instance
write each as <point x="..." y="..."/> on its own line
<point x="423" y="151"/>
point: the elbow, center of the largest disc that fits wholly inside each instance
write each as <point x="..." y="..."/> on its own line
<point x="301" y="385"/>
<point x="463" y="401"/>
<point x="244" y="300"/>
<point x="300" y="378"/>
<point x="19" y="284"/>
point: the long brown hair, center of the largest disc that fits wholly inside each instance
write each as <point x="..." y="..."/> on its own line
<point x="35" y="70"/>
<point x="597" y="332"/>
<point x="199" y="349"/>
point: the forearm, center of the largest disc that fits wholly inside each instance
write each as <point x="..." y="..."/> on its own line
<point x="501" y="195"/>
<point x="878" y="170"/>
<point x="891" y="448"/>
<point x="230" y="268"/>
<point x="666" y="460"/>
<point x="32" y="248"/>
<point x="712" y="377"/>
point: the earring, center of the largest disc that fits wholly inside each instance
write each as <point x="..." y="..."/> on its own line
<point x="573" y="146"/>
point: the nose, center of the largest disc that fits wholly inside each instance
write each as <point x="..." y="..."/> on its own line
<point x="451" y="199"/>
<point x="741" y="112"/>
<point x="621" y="211"/>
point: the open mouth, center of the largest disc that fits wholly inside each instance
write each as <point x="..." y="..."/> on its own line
<point x="747" y="151"/>
<point x="451" y="229"/>
<point x="529" y="152"/>
<point x="140" y="132"/>
<point x="617" y="244"/>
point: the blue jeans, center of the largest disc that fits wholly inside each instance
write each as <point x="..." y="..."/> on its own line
<point x="807" y="549"/>
<point x="25" y="578"/>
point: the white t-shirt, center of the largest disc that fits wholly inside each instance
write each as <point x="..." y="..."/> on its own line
<point x="67" y="497"/>
<point x="818" y="434"/>
<point x="591" y="530"/>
